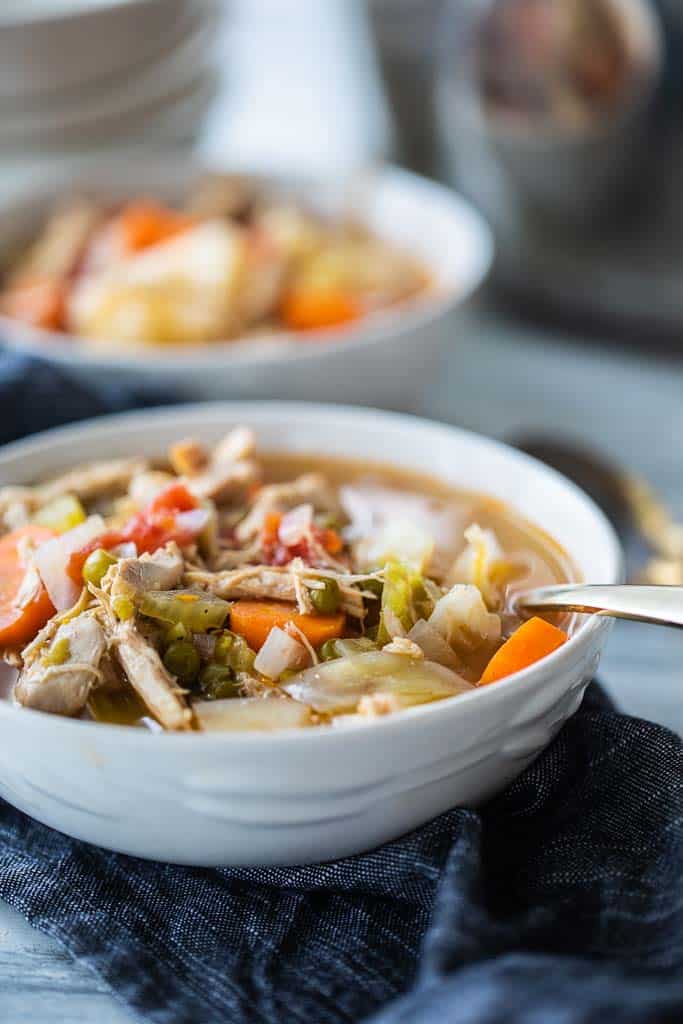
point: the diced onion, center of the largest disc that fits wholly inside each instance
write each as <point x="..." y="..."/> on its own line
<point x="280" y="652"/>
<point x="193" y="521"/>
<point x="126" y="550"/>
<point x="295" y="525"/>
<point x="52" y="560"/>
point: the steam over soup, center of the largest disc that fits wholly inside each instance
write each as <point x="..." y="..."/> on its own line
<point x="224" y="589"/>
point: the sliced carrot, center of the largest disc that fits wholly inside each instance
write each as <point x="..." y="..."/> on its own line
<point x="254" y="620"/>
<point x="39" y="301"/>
<point x="145" y="223"/>
<point x="304" y="310"/>
<point x="269" y="532"/>
<point x="532" y="641"/>
<point x="332" y="542"/>
<point x="19" y="625"/>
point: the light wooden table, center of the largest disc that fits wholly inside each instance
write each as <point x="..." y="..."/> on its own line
<point x="502" y="379"/>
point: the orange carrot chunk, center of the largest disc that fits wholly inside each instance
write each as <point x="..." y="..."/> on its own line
<point x="254" y="620"/>
<point x="146" y="223"/>
<point x="305" y="310"/>
<point x="532" y="641"/>
<point x="19" y="625"/>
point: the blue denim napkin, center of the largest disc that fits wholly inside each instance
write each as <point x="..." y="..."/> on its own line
<point x="560" y="902"/>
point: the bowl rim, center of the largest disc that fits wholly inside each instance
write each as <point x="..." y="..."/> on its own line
<point x="256" y="350"/>
<point x="65" y="11"/>
<point x="585" y="636"/>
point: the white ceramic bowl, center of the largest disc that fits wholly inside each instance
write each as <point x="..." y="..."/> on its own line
<point x="383" y="360"/>
<point x="49" y="46"/>
<point x="322" y="793"/>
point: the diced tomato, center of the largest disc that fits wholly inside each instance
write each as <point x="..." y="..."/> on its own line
<point x="277" y="553"/>
<point x="19" y="625"/>
<point x="162" y="521"/>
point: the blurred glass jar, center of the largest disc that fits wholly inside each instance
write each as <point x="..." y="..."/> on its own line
<point x="544" y="106"/>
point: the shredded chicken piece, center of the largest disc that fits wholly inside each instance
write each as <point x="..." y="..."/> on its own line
<point x="228" y="473"/>
<point x="310" y="487"/>
<point x="63" y="689"/>
<point x="62" y="240"/>
<point x="148" y="677"/>
<point x="188" y="457"/>
<point x="402" y="645"/>
<point x="276" y="583"/>
<point x="223" y="483"/>
<point x="49" y="630"/>
<point x="87" y="482"/>
<point x="239" y="444"/>
<point x="145" y="486"/>
<point x="162" y="570"/>
<point x="11" y="656"/>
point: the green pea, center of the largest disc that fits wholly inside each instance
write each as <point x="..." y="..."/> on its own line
<point x="182" y="660"/>
<point x="328" y="598"/>
<point x="96" y="566"/>
<point x="217" y="682"/>
<point x="224" y="645"/>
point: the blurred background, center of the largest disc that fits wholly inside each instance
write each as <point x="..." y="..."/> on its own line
<point x="560" y="121"/>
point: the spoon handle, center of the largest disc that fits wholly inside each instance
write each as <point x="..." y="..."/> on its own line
<point x="659" y="604"/>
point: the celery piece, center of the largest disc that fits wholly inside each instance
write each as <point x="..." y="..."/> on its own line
<point x="198" y="612"/>
<point x="62" y="514"/>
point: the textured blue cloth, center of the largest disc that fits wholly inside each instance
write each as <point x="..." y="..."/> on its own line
<point x="561" y="902"/>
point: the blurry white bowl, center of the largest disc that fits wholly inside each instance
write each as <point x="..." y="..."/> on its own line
<point x="322" y="793"/>
<point x="382" y="360"/>
<point x="52" y="45"/>
<point x="112" y="105"/>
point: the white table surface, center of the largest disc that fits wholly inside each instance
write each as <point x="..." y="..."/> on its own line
<point x="504" y="379"/>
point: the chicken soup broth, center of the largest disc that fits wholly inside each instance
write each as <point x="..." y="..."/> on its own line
<point x="231" y="589"/>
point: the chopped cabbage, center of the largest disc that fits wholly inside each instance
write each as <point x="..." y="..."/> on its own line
<point x="482" y="564"/>
<point x="463" y="620"/>
<point x="404" y="600"/>
<point x="399" y="540"/>
<point x="337" y="687"/>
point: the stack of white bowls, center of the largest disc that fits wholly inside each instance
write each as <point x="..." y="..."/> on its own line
<point x="79" y="75"/>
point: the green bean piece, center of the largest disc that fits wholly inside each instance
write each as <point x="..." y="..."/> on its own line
<point x="198" y="612"/>
<point x="177" y="632"/>
<point x="217" y="682"/>
<point x="326" y="601"/>
<point x="96" y="566"/>
<point x="182" y="660"/>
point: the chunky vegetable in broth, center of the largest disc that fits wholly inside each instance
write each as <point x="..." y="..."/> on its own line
<point x="226" y="589"/>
